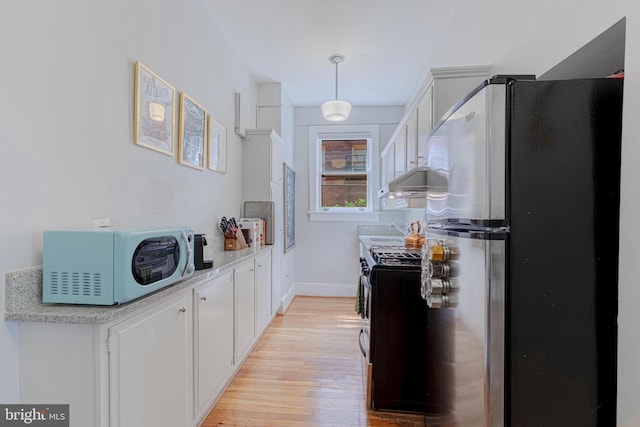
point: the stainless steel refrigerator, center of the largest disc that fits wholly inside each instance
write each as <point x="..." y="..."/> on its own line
<point x="522" y="250"/>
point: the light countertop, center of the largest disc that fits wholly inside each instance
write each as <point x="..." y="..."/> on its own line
<point x="23" y="294"/>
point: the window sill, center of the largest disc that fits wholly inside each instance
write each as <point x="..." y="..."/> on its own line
<point x="344" y="216"/>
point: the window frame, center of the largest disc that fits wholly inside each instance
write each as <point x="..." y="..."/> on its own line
<point x="343" y="132"/>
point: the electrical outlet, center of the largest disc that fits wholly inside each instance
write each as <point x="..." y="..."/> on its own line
<point x="101" y="222"/>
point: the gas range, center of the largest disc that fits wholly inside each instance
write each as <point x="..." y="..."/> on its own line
<point x="396" y="256"/>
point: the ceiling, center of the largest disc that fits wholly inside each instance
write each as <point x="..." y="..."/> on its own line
<point x="386" y="45"/>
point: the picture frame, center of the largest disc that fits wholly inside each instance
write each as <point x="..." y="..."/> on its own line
<point x="217" y="145"/>
<point x="154" y="111"/>
<point x="289" y="189"/>
<point x="192" y="133"/>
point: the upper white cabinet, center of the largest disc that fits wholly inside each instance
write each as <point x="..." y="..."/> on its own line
<point x="412" y="139"/>
<point x="442" y="89"/>
<point x="262" y="159"/>
<point x="400" y="152"/>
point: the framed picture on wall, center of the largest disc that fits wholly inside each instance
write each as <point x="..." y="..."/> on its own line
<point x="289" y="188"/>
<point x="154" y="111"/>
<point x="192" y="132"/>
<point x="217" y="148"/>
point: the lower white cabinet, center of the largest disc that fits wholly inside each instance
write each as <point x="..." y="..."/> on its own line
<point x="263" y="291"/>
<point x="244" y="308"/>
<point x="159" y="366"/>
<point x="213" y="339"/>
<point x="149" y="367"/>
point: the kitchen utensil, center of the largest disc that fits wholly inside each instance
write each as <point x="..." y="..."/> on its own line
<point x="413" y="239"/>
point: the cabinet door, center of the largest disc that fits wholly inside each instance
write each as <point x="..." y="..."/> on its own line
<point x="425" y="123"/>
<point x="277" y="170"/>
<point x="277" y="287"/>
<point x="263" y="290"/>
<point x="412" y="140"/>
<point x="400" y="149"/>
<point x="149" y="366"/>
<point x="244" y="309"/>
<point x="213" y="338"/>
<point x="388" y="162"/>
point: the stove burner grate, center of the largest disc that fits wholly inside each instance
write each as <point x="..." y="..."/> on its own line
<point x="396" y="256"/>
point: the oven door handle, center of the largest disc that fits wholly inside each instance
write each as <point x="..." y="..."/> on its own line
<point x="361" y="338"/>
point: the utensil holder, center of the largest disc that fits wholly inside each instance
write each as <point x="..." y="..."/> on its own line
<point x="231" y="245"/>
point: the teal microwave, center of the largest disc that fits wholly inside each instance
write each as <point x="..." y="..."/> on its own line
<point x="106" y="267"/>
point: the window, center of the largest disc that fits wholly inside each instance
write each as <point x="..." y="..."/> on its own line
<point x="342" y="175"/>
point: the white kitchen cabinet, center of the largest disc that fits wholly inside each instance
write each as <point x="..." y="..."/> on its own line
<point x="400" y="152"/>
<point x="263" y="170"/>
<point x="213" y="339"/>
<point x="117" y="374"/>
<point x="387" y="160"/>
<point x="443" y="89"/>
<point x="262" y="291"/>
<point x="412" y="140"/>
<point x="424" y="117"/>
<point x="163" y="364"/>
<point x="244" y="280"/>
<point x="261" y="162"/>
<point x="149" y="367"/>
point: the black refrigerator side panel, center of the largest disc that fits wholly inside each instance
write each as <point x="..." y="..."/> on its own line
<point x="563" y="212"/>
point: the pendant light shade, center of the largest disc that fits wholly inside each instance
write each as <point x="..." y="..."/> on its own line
<point x="336" y="110"/>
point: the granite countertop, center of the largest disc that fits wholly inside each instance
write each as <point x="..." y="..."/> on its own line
<point x="23" y="294"/>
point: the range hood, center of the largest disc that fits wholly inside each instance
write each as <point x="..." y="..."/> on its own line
<point x="414" y="183"/>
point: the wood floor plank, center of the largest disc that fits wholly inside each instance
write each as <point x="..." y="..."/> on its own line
<point x="305" y="371"/>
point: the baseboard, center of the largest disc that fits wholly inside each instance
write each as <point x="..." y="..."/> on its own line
<point x="326" y="290"/>
<point x="287" y="300"/>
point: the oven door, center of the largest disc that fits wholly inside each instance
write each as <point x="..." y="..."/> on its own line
<point x="364" y="335"/>
<point x="365" y="309"/>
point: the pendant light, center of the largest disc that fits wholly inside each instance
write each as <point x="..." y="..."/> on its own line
<point x="336" y="110"/>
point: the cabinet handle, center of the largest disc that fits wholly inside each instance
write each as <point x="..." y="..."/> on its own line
<point x="183" y="310"/>
<point x="259" y="265"/>
<point x="203" y="298"/>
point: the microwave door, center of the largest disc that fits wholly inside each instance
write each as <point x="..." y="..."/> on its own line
<point x="464" y="272"/>
<point x="189" y="266"/>
<point x="468" y="149"/>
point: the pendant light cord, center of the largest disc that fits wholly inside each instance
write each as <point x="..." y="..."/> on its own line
<point x="336" y="79"/>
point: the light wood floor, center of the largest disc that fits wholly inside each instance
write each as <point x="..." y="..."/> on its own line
<point x="305" y="371"/>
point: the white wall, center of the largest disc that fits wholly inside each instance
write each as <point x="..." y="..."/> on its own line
<point x="66" y="126"/>
<point x="326" y="252"/>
